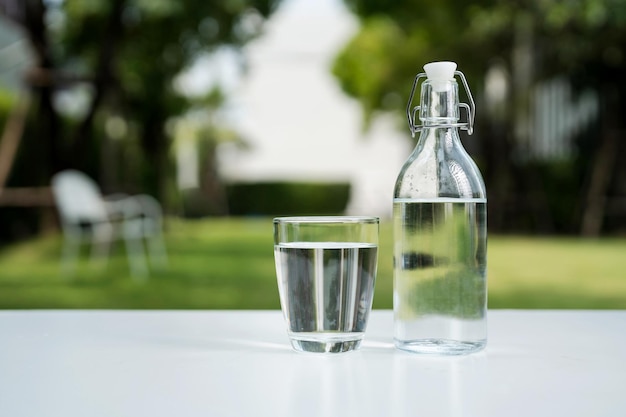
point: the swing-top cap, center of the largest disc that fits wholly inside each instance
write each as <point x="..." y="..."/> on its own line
<point x="440" y="72"/>
<point x="440" y="79"/>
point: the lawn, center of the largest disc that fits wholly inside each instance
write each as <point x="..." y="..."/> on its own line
<point x="228" y="264"/>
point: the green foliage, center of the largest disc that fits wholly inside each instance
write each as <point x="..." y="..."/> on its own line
<point x="8" y="99"/>
<point x="371" y="75"/>
<point x="396" y="38"/>
<point x="528" y="42"/>
<point x="287" y="198"/>
<point x="126" y="55"/>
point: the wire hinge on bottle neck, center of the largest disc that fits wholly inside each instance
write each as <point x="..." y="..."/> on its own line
<point x="470" y="108"/>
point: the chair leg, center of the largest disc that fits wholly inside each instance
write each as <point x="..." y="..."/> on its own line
<point x="134" y="248"/>
<point x="155" y="242"/>
<point x="102" y="235"/>
<point x="71" y="243"/>
<point x="158" y="253"/>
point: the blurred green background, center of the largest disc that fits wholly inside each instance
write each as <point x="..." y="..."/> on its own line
<point x="99" y="86"/>
<point x="229" y="264"/>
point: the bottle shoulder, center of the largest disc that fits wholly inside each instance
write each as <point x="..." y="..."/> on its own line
<point x="435" y="173"/>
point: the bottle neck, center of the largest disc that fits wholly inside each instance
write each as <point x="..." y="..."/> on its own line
<point x="438" y="137"/>
<point x="439" y="103"/>
<point x="439" y="114"/>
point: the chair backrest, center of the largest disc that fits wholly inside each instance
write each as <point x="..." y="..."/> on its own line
<point x="78" y="197"/>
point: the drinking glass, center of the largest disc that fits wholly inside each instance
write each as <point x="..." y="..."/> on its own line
<point x="326" y="270"/>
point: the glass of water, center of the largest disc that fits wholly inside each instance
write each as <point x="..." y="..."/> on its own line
<point x="326" y="270"/>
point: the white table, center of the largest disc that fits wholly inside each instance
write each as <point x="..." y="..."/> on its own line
<point x="239" y="363"/>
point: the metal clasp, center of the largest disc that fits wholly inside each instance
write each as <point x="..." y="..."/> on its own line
<point x="470" y="109"/>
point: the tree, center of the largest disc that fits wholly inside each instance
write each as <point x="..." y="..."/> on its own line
<point x="532" y="41"/>
<point x="115" y="62"/>
<point x="125" y="54"/>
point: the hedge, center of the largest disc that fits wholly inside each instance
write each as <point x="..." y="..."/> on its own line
<point x="287" y="198"/>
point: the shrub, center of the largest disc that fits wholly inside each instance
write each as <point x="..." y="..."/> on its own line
<point x="287" y="198"/>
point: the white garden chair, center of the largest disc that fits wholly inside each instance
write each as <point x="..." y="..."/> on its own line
<point x="85" y="213"/>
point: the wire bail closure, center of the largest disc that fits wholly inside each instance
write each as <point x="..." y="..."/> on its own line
<point x="471" y="108"/>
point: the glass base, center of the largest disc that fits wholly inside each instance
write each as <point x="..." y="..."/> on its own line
<point x="325" y="343"/>
<point x="444" y="347"/>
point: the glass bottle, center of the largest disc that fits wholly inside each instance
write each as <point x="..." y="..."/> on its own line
<point x="440" y="227"/>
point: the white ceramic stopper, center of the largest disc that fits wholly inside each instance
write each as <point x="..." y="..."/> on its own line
<point x="439" y="72"/>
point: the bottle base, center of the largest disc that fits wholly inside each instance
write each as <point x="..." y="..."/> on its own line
<point x="443" y="347"/>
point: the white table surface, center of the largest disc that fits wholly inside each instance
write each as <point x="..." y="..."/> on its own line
<point x="240" y="363"/>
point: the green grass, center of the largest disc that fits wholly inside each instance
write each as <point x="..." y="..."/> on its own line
<point x="228" y="263"/>
<point x="557" y="273"/>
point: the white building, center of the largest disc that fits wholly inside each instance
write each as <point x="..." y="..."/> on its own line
<point x="298" y="122"/>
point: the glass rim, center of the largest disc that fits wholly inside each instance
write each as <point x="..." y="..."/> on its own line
<point x="326" y="219"/>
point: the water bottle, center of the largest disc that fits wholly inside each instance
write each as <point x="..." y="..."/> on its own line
<point x="440" y="226"/>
